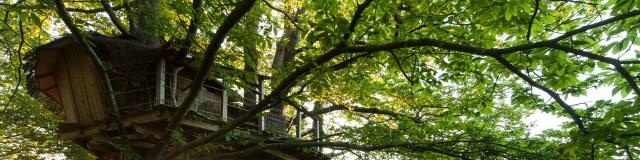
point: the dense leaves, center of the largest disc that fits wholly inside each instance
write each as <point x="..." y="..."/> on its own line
<point x="432" y="79"/>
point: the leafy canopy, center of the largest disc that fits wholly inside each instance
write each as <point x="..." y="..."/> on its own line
<point x="410" y="79"/>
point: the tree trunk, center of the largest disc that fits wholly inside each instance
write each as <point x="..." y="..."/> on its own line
<point x="251" y="57"/>
<point x="147" y="23"/>
<point x="285" y="53"/>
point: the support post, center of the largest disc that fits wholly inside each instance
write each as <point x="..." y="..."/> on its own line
<point x="225" y="104"/>
<point x="299" y="125"/>
<point x="262" y="126"/>
<point x="160" y="82"/>
<point x="174" y="87"/>
<point x="260" y="96"/>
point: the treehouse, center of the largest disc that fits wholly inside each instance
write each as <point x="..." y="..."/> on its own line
<point x="148" y="84"/>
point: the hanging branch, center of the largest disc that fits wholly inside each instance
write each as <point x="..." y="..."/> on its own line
<point x="395" y="58"/>
<point x="114" y="18"/>
<point x="196" y="86"/>
<point x="567" y="109"/>
<point x="101" y="68"/>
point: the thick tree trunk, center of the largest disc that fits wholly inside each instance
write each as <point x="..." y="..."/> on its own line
<point x="147" y="23"/>
<point x="285" y="53"/>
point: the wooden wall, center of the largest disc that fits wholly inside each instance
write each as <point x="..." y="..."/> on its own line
<point x="80" y="86"/>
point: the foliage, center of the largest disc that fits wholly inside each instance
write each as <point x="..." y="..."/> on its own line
<point x="442" y="67"/>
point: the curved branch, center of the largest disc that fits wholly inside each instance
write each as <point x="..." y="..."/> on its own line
<point x="395" y="58"/>
<point x="567" y="109"/>
<point x="355" y="109"/>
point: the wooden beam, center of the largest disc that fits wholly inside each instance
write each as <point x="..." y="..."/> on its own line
<point x="199" y="124"/>
<point x="144" y="145"/>
<point x="83" y="132"/>
<point x="155" y="133"/>
<point x="280" y="154"/>
<point x="160" y="81"/>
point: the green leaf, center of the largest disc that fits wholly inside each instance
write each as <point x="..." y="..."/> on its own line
<point x="35" y="19"/>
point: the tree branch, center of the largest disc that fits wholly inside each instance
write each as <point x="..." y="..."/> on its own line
<point x="285" y="14"/>
<point x="616" y="63"/>
<point x="19" y="68"/>
<point x="354" y="20"/>
<point x="77" y="34"/>
<point x="90" y="11"/>
<point x="210" y="53"/>
<point x="583" y="2"/>
<point x="282" y="88"/>
<point x="299" y="107"/>
<point x="598" y="24"/>
<point x="354" y="109"/>
<point x="533" y="17"/>
<point x="567" y="109"/>
<point x="416" y="147"/>
<point x="395" y="58"/>
<point x="193" y="28"/>
<point x="345" y="63"/>
<point x="114" y="18"/>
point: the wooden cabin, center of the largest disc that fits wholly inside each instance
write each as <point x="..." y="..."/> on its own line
<point x="148" y="84"/>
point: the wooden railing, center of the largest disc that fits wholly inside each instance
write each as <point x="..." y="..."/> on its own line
<point x="214" y="103"/>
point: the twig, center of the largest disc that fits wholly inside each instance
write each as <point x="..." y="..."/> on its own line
<point x="113" y="17"/>
<point x="533" y="17"/>
<point x="354" y="20"/>
<point x="293" y="21"/>
<point x="90" y="11"/>
<point x="583" y="2"/>
<point x="20" y="65"/>
<point x="395" y="58"/>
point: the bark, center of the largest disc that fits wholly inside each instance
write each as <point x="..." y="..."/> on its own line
<point x="147" y="19"/>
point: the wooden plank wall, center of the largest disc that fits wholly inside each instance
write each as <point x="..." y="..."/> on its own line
<point x="80" y="87"/>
